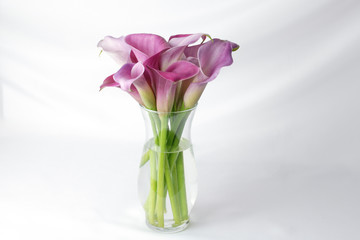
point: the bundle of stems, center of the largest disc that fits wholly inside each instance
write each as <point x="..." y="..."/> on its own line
<point x="166" y="162"/>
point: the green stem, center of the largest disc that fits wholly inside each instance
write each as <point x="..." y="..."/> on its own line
<point x="182" y="187"/>
<point x="177" y="165"/>
<point x="153" y="183"/>
<point x="172" y="194"/>
<point x="154" y="126"/>
<point x="177" y="137"/>
<point x="174" y="179"/>
<point x="161" y="170"/>
<point x="176" y="121"/>
<point x="168" y="175"/>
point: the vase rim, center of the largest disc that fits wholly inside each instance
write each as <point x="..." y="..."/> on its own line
<point x="153" y="111"/>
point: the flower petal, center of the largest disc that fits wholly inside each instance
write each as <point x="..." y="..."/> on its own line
<point x="154" y="61"/>
<point x="165" y="94"/>
<point x="116" y="48"/>
<point x="130" y="78"/>
<point x="171" y="56"/>
<point x="109" y="82"/>
<point x="192" y="51"/>
<point x="127" y="74"/>
<point x="167" y="82"/>
<point x="193" y="60"/>
<point x="136" y="95"/>
<point x="212" y="56"/>
<point x="146" y="45"/>
<point x="193" y="94"/>
<point x="179" y="71"/>
<point x="185" y="39"/>
<point x="162" y="60"/>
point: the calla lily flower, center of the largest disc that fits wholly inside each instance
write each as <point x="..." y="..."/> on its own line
<point x="167" y="82"/>
<point x="110" y="82"/>
<point x="130" y="78"/>
<point x="211" y="56"/>
<point x="166" y="75"/>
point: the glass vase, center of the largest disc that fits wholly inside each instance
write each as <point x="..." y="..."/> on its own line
<point x="167" y="182"/>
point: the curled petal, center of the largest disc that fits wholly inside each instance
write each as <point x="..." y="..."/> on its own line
<point x="131" y="77"/>
<point x="179" y="71"/>
<point x="127" y="74"/>
<point x="171" y="56"/>
<point x="154" y="61"/>
<point x="212" y="56"/>
<point x="185" y="39"/>
<point x="116" y="48"/>
<point x="162" y="60"/>
<point x="109" y="82"/>
<point x="192" y="51"/>
<point x="146" y="45"/>
<point x="167" y="82"/>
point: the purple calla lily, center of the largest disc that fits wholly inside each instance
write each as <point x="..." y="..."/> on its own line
<point x="166" y="76"/>
<point x="167" y="82"/>
<point x="130" y="78"/>
<point x="133" y="75"/>
<point x="110" y="82"/>
<point x="211" y="56"/>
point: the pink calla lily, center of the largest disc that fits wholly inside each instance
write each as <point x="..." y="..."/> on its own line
<point x="133" y="75"/>
<point x="166" y="83"/>
<point x="211" y="56"/>
<point x="128" y="74"/>
<point x="166" y="76"/>
<point x="110" y="82"/>
<point x="130" y="78"/>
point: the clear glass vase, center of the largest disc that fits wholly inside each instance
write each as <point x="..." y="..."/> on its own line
<point x="167" y="182"/>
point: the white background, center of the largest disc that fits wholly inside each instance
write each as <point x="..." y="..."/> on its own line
<point x="276" y="135"/>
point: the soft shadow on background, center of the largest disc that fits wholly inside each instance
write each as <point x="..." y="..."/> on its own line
<point x="276" y="135"/>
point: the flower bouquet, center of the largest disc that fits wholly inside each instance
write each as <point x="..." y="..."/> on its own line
<point x="167" y="79"/>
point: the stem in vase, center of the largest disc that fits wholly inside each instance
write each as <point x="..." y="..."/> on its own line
<point x="153" y="186"/>
<point x="182" y="187"/>
<point x="161" y="172"/>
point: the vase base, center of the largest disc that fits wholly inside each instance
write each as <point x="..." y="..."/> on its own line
<point x="169" y="229"/>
